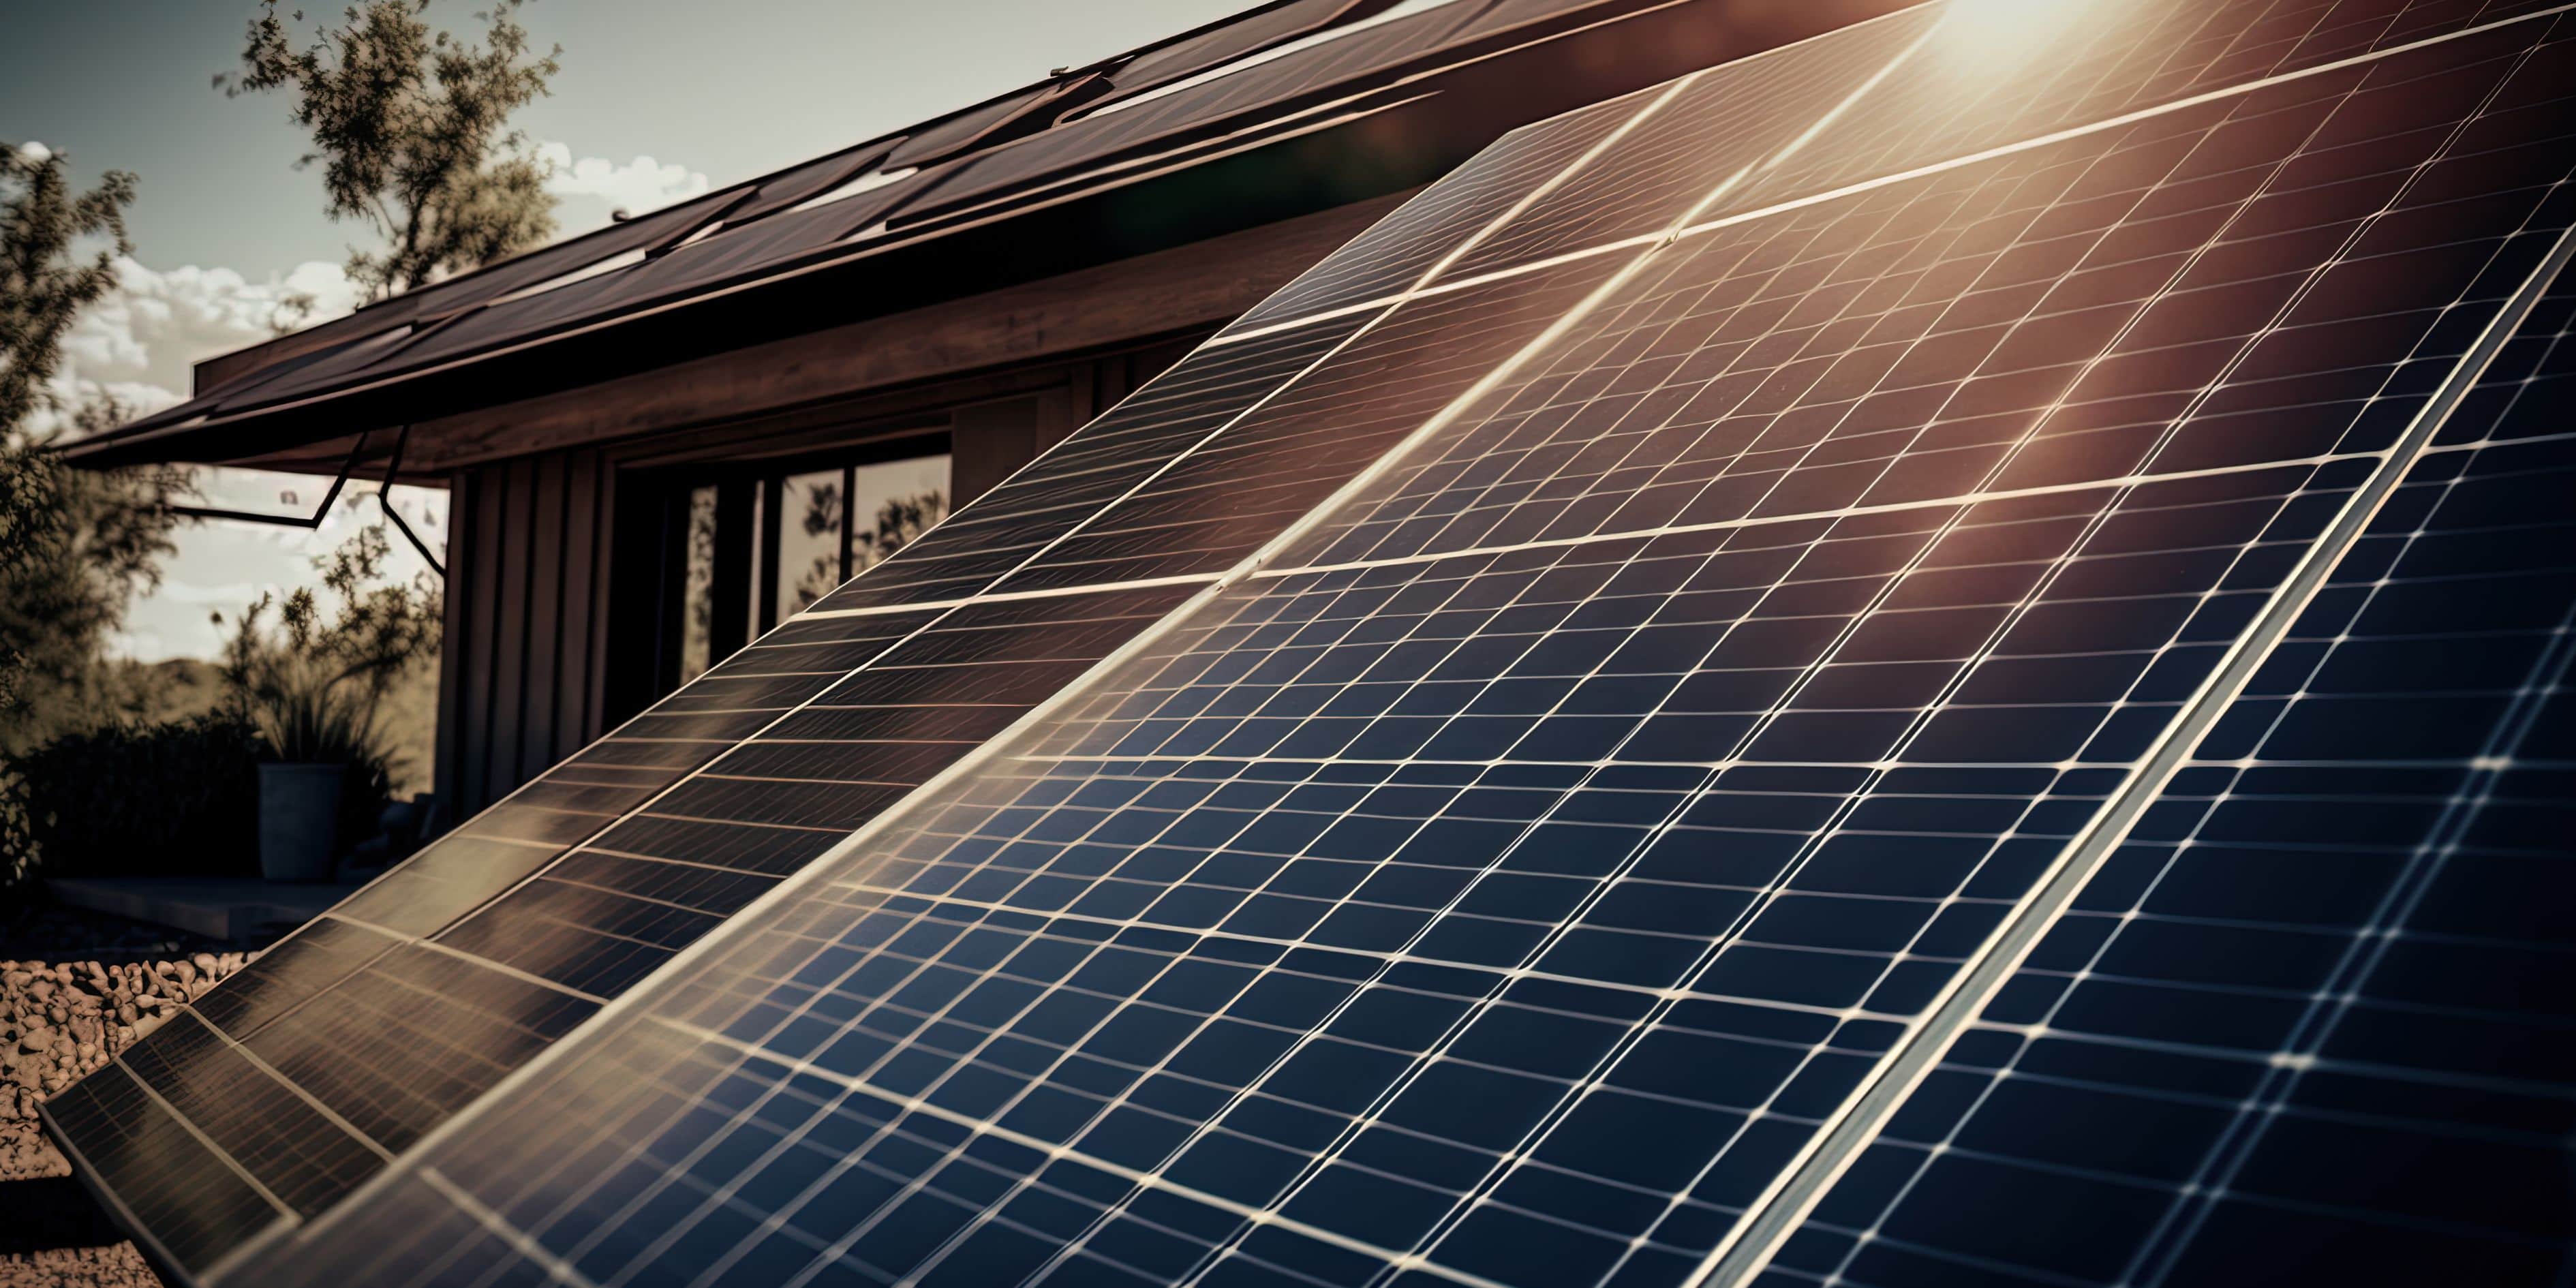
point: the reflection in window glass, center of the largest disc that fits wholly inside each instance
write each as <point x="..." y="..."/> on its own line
<point x="698" y="585"/>
<point x="810" y="519"/>
<point x="894" y="502"/>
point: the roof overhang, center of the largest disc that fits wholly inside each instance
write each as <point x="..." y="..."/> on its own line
<point x="1378" y="139"/>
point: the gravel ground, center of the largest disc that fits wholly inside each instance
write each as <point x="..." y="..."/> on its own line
<point x="101" y="983"/>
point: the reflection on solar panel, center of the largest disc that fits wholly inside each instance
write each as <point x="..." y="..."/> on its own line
<point x="1935" y="657"/>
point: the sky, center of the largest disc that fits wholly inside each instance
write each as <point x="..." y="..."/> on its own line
<point x="657" y="100"/>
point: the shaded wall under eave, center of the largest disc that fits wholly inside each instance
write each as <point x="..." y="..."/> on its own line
<point x="558" y="562"/>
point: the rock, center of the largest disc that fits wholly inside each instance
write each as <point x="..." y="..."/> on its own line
<point x="37" y="1039"/>
<point x="204" y="962"/>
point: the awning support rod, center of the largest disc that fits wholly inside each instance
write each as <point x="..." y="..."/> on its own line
<point x="384" y="501"/>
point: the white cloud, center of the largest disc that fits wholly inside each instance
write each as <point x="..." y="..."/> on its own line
<point x="635" y="187"/>
<point x="34" y="151"/>
<point x="138" y="342"/>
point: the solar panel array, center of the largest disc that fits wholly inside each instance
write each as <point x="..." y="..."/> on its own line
<point x="1935" y="656"/>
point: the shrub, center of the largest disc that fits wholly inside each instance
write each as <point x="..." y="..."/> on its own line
<point x="314" y="684"/>
<point x="146" y="800"/>
<point x="311" y="687"/>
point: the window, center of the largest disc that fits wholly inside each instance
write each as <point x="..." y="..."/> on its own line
<point x="761" y="547"/>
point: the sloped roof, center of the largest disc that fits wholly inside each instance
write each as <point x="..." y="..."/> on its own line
<point x="1275" y="72"/>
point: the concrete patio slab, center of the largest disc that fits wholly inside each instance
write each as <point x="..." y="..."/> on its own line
<point x="217" y="907"/>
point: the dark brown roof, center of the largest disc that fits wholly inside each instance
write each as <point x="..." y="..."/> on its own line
<point x="1082" y="132"/>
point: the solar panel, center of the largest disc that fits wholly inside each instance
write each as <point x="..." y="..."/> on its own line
<point x="421" y="992"/>
<point x="1343" y="63"/>
<point x="2289" y="1032"/>
<point x="1238" y="37"/>
<point x="1540" y="769"/>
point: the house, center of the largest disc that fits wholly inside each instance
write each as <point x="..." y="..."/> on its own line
<point x="656" y="436"/>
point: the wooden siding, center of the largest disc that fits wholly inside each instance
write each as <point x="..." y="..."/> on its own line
<point x="552" y="555"/>
<point x="520" y="673"/>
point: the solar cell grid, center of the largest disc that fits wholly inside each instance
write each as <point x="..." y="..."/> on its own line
<point x="2288" y="1032"/>
<point x="189" y="1201"/>
<point x="1727" y="119"/>
<point x="651" y="890"/>
<point x="1996" y="73"/>
<point x="2193" y="285"/>
<point x="281" y="1140"/>
<point x="912" y="988"/>
<point x="1346" y="60"/>
<point x="411" y="1038"/>
<point x="1524" y="876"/>
<point x="1397" y="251"/>
<point x="1205" y="392"/>
<point x="1222" y="502"/>
<point x="512" y="840"/>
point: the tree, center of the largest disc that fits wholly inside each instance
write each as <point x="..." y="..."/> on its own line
<point x="44" y="281"/>
<point x="75" y="545"/>
<point x="411" y="127"/>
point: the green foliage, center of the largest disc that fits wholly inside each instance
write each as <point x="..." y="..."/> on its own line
<point x="411" y="128"/>
<point x="314" y="684"/>
<point x="143" y="800"/>
<point x="45" y="280"/>
<point x="89" y="543"/>
<point x="312" y="688"/>
<point x="75" y="545"/>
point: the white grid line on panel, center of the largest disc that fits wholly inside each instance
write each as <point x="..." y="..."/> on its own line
<point x="1953" y="163"/>
<point x="556" y="1268"/>
<point x="1777" y="707"/>
<point x="2283" y="1068"/>
<point x="1797" y="1190"/>
<point x="1321" y="509"/>
<point x="1421" y="434"/>
<point x="921" y="1106"/>
<point x="779" y="893"/>
<point x="1475" y="394"/>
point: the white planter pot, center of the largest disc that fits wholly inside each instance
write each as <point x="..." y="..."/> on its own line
<point x="299" y="814"/>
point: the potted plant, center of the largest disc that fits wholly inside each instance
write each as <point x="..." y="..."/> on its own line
<point x="312" y="687"/>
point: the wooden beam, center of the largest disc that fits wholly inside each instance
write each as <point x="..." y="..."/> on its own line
<point x="1187" y="286"/>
